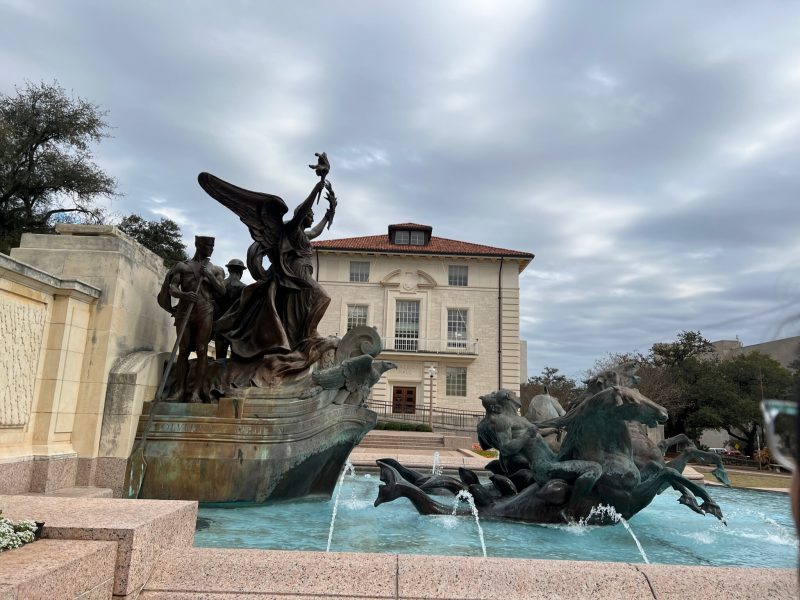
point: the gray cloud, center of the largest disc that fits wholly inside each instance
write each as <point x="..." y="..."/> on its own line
<point x="644" y="153"/>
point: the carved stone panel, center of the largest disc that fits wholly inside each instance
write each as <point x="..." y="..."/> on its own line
<point x="21" y="330"/>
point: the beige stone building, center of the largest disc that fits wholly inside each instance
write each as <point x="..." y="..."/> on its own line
<point x="785" y="351"/>
<point x="447" y="311"/>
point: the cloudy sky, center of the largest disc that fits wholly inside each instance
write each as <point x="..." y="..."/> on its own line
<point x="647" y="153"/>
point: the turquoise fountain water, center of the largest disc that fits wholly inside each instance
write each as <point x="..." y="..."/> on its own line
<point x="348" y="468"/>
<point x="465" y="496"/>
<point x="760" y="532"/>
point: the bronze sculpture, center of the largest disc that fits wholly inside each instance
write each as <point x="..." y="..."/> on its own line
<point x="277" y="316"/>
<point x="196" y="284"/>
<point x="532" y="483"/>
<point x="233" y="289"/>
<point x="287" y="407"/>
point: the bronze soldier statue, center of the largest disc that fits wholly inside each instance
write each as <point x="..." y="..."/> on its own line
<point x="195" y="283"/>
<point x="233" y="289"/>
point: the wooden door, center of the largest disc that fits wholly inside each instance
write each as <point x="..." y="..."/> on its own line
<point x="404" y="400"/>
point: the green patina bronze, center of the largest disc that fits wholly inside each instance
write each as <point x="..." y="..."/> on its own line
<point x="278" y="418"/>
<point x="598" y="462"/>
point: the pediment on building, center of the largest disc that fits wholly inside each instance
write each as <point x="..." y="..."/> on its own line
<point x="408" y="280"/>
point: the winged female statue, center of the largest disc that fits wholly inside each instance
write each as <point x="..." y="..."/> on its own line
<point x="279" y="313"/>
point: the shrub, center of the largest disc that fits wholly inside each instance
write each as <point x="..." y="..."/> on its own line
<point x="13" y="535"/>
<point x="763" y="457"/>
<point x="401" y="426"/>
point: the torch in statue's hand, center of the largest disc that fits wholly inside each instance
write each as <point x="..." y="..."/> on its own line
<point x="322" y="168"/>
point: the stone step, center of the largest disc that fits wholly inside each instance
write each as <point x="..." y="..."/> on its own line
<point x="403" y="439"/>
<point x="417" y="438"/>
<point x="143" y="532"/>
<point x="388" y="433"/>
<point x="401" y="443"/>
<point x="400" y="447"/>
<point x="693" y="475"/>
<point x="59" y="569"/>
<point x="78" y="491"/>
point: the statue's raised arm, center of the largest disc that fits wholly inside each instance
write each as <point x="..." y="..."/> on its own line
<point x="279" y="313"/>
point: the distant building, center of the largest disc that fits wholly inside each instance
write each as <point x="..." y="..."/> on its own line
<point x="785" y="351"/>
<point x="435" y="302"/>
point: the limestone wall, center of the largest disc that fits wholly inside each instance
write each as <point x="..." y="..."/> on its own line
<point x="72" y="305"/>
<point x="22" y="328"/>
<point x="43" y="333"/>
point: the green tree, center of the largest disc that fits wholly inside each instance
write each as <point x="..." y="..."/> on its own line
<point x="795" y="368"/>
<point x="659" y="382"/>
<point x="690" y="344"/>
<point x="682" y="362"/>
<point x="727" y="392"/>
<point x="47" y="171"/>
<point x="561" y="387"/>
<point x="162" y="237"/>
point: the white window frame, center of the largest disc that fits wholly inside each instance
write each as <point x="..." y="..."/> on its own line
<point x="457" y="319"/>
<point x="359" y="274"/>
<point x="401" y="237"/>
<point x="416" y="238"/>
<point x="404" y="314"/>
<point x="455" y="378"/>
<point x="356" y="320"/>
<point x="458" y="275"/>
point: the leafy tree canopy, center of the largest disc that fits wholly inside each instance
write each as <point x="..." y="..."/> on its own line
<point x="690" y="344"/>
<point x="699" y="389"/>
<point x="563" y="388"/>
<point x="727" y="394"/>
<point x="659" y="382"/>
<point x="162" y="237"/>
<point x="47" y="171"/>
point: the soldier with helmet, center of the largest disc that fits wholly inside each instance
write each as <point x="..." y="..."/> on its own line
<point x="233" y="289"/>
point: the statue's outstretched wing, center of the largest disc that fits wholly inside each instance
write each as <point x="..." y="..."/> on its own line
<point x="357" y="371"/>
<point x="262" y="213"/>
<point x="332" y="378"/>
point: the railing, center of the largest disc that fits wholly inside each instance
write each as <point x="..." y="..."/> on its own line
<point x="404" y="344"/>
<point x="447" y="418"/>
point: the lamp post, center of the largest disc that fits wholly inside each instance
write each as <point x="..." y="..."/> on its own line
<point x="431" y="371"/>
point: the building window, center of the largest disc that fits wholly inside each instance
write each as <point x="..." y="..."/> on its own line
<point x="456" y="381"/>
<point x="359" y="271"/>
<point x="456" y="327"/>
<point x="406" y="325"/>
<point x="404" y="237"/>
<point x="356" y="315"/>
<point x="457" y="275"/>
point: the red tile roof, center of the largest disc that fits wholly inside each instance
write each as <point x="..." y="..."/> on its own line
<point x="436" y="245"/>
<point x="409" y="226"/>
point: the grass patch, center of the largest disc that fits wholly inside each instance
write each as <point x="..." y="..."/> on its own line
<point x="754" y="480"/>
<point x="476" y="448"/>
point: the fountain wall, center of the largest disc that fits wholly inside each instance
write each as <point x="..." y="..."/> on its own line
<point x="73" y="308"/>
